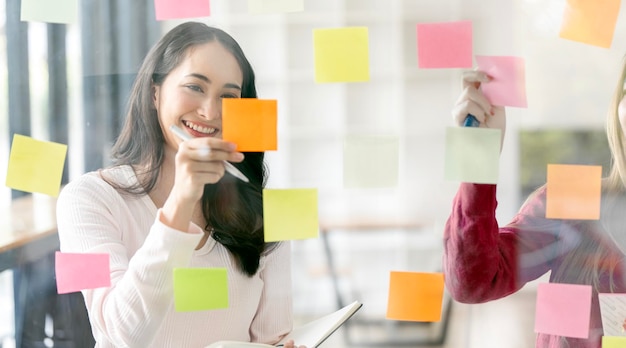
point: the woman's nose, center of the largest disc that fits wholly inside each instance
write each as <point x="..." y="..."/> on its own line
<point x="211" y="108"/>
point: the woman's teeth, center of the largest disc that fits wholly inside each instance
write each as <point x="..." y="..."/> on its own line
<point x="205" y="130"/>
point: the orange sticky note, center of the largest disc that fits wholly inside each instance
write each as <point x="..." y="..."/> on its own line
<point x="415" y="296"/>
<point x="590" y="21"/>
<point x="250" y="123"/>
<point x="573" y="192"/>
<point x="174" y="9"/>
<point x="75" y="271"/>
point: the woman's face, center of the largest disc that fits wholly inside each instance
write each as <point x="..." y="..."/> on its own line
<point x="191" y="94"/>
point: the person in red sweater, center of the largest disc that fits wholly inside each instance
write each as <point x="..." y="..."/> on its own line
<point x="484" y="261"/>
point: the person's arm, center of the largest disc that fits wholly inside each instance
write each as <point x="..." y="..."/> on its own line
<point x="482" y="261"/>
<point x="274" y="317"/>
<point x="130" y="312"/>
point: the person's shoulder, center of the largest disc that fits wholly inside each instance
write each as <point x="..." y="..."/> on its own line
<point x="98" y="182"/>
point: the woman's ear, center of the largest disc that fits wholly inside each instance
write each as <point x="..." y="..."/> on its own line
<point x="155" y="96"/>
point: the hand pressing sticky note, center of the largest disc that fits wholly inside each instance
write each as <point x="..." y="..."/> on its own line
<point x="275" y="6"/>
<point x="341" y="54"/>
<point x="508" y="80"/>
<point x="250" y="123"/>
<point x="175" y="9"/>
<point x="444" y="45"/>
<point x="613" y="342"/>
<point x="415" y="296"/>
<point x="370" y="161"/>
<point x="75" y="272"/>
<point x="58" y="11"/>
<point x="199" y="289"/>
<point x="590" y="21"/>
<point x="563" y="310"/>
<point x="35" y="166"/>
<point x="472" y="155"/>
<point x="290" y="214"/>
<point x="573" y="192"/>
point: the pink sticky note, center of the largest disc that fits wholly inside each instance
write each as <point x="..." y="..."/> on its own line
<point x="563" y="310"/>
<point x="174" y="9"/>
<point x="75" y="272"/>
<point x="444" y="45"/>
<point x="508" y="84"/>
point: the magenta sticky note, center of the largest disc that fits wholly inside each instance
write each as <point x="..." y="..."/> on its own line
<point x="444" y="45"/>
<point x="508" y="84"/>
<point x="176" y="9"/>
<point x="563" y="310"/>
<point x="76" y="271"/>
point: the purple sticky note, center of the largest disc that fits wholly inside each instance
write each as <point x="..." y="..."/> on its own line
<point x="563" y="310"/>
<point x="508" y="84"/>
<point x="444" y="45"/>
<point x="175" y="9"/>
<point x="76" y="272"/>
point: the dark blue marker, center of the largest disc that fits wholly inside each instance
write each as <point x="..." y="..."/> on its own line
<point x="471" y="121"/>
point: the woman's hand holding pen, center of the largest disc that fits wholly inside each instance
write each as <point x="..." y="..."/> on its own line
<point x="472" y="101"/>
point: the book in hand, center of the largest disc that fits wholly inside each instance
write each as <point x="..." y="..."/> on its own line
<point x="310" y="335"/>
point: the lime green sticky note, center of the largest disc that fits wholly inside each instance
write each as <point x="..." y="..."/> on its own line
<point x="370" y="161"/>
<point x="57" y="11"/>
<point x="472" y="155"/>
<point x="613" y="341"/>
<point x="199" y="289"/>
<point x="341" y="55"/>
<point x="36" y="166"/>
<point x="290" y="214"/>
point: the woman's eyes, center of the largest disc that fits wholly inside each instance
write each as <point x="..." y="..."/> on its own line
<point x="229" y="96"/>
<point x="199" y="89"/>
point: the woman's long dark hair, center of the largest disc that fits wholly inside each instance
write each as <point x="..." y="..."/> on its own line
<point x="233" y="209"/>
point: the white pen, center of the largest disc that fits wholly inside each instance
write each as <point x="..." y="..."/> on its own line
<point x="227" y="165"/>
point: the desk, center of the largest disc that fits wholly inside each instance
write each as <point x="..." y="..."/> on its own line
<point x="326" y="228"/>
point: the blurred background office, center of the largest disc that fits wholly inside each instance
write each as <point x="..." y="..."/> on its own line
<point x="69" y="83"/>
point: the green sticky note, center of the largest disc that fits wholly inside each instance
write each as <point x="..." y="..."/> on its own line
<point x="57" y="11"/>
<point x="199" y="289"/>
<point x="35" y="166"/>
<point x="341" y="55"/>
<point x="472" y="155"/>
<point x="290" y="214"/>
<point x="613" y="341"/>
<point x="370" y="161"/>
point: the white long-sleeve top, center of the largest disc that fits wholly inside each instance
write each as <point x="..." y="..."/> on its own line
<point x="138" y="309"/>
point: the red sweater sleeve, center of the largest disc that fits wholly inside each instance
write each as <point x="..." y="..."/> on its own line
<point x="482" y="261"/>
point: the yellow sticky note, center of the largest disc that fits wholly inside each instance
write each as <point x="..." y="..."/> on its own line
<point x="590" y="21"/>
<point x="275" y="6"/>
<point x="573" y="192"/>
<point x="613" y="342"/>
<point x="290" y="214"/>
<point x="57" y="11"/>
<point x="198" y="289"/>
<point x="250" y="123"/>
<point x="472" y="155"/>
<point x="341" y="55"/>
<point x="36" y="166"/>
<point x="370" y="161"/>
<point x="415" y="296"/>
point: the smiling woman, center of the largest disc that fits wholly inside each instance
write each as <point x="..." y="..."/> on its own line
<point x="167" y="203"/>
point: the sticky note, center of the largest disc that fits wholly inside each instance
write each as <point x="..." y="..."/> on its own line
<point x="563" y="310"/>
<point x="370" y="161"/>
<point x="613" y="311"/>
<point x="58" y="11"/>
<point x="472" y="155"/>
<point x="175" y="9"/>
<point x="590" y="21"/>
<point x="275" y="6"/>
<point x="508" y="84"/>
<point x="36" y="166"/>
<point x="250" y="123"/>
<point x="341" y="54"/>
<point x="75" y="272"/>
<point x="415" y="296"/>
<point x="444" y="45"/>
<point x="573" y="192"/>
<point x="290" y="214"/>
<point x="613" y="342"/>
<point x="199" y="289"/>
